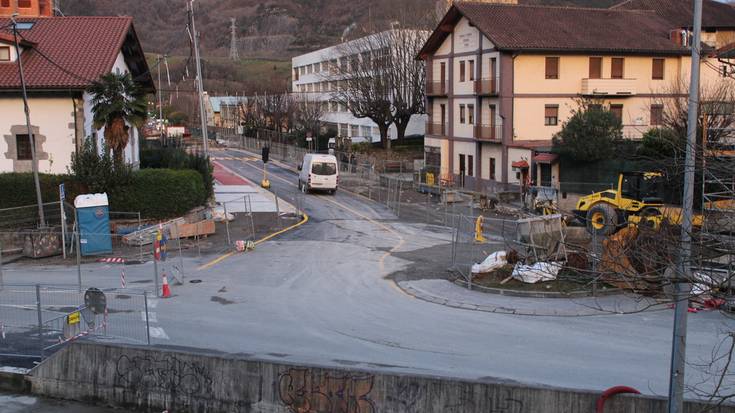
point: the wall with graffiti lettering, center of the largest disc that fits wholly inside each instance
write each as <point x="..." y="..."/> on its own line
<point x="153" y="379"/>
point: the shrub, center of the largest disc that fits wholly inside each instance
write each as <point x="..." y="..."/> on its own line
<point x="160" y="193"/>
<point x="18" y="189"/>
<point x="662" y="143"/>
<point x="98" y="173"/>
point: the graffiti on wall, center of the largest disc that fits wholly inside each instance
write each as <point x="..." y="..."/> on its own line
<point x="168" y="373"/>
<point x="304" y="391"/>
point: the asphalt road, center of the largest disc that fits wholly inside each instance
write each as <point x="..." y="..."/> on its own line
<point x="320" y="294"/>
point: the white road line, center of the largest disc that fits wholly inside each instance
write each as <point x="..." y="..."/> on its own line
<point x="152" y="303"/>
<point x="157" y="332"/>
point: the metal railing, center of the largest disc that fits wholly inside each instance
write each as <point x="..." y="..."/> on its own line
<point x="437" y="88"/>
<point x="439" y="129"/>
<point x="487" y="86"/>
<point x="492" y="132"/>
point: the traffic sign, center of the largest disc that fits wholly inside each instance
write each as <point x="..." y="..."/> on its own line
<point x="62" y="192"/>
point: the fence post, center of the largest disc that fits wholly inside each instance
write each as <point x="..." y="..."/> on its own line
<point x="400" y="189"/>
<point x="1" y="264"/>
<point x="40" y="319"/>
<point x="181" y="257"/>
<point x="63" y="229"/>
<point x="155" y="272"/>
<point x="227" y="224"/>
<point x="278" y="210"/>
<point x="79" y="259"/>
<point x="140" y="237"/>
<point x="147" y="323"/>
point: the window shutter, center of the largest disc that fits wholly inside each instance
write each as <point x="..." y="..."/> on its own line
<point x="658" y="69"/>
<point x="552" y="67"/>
<point x="657" y="114"/>
<point x="616" y="71"/>
<point x="551" y="111"/>
<point x="617" y="110"/>
<point x="595" y="67"/>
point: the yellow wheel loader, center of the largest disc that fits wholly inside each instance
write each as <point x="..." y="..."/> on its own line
<point x="635" y="200"/>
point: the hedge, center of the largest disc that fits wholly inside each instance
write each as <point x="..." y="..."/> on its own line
<point x="155" y="193"/>
<point x="18" y="189"/>
<point x="160" y="193"/>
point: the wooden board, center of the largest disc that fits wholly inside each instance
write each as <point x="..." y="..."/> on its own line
<point x="205" y="227"/>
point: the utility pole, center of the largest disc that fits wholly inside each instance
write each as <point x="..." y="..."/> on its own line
<point x="34" y="159"/>
<point x="682" y="288"/>
<point x="234" y="54"/>
<point x="200" y="83"/>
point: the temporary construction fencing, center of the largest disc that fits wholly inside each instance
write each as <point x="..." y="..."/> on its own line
<point x="37" y="319"/>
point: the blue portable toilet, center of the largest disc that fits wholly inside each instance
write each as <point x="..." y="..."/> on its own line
<point x="93" y="219"/>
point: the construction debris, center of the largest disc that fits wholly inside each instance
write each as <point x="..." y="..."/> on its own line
<point x="540" y="271"/>
<point x="491" y="263"/>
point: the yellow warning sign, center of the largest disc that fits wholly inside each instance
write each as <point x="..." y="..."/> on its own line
<point x="73" y="318"/>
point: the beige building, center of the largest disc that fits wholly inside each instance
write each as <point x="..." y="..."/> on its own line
<point x="502" y="79"/>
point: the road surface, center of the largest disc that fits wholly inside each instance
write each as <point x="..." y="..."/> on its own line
<point x="319" y="294"/>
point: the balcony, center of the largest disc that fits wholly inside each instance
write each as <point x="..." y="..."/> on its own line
<point x="608" y="87"/>
<point x="436" y="129"/>
<point x="487" y="87"/>
<point x="491" y="133"/>
<point x="438" y="88"/>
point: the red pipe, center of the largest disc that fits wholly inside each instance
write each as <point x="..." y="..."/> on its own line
<point x="612" y="391"/>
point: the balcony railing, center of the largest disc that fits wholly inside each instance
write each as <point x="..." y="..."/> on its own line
<point x="489" y="132"/>
<point x="488" y="86"/>
<point x="437" y="129"/>
<point x="607" y="87"/>
<point x="438" y="88"/>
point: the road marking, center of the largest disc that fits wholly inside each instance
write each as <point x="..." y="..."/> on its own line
<point x="157" y="332"/>
<point x="401" y="240"/>
<point x="152" y="303"/>
<point x="266" y="238"/>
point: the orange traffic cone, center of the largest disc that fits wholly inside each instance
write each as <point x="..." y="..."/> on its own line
<point x="166" y="288"/>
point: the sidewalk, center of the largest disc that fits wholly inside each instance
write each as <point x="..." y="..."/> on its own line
<point x="232" y="188"/>
<point x="446" y="293"/>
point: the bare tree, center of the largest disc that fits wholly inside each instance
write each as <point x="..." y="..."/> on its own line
<point x="408" y="76"/>
<point x="308" y="114"/>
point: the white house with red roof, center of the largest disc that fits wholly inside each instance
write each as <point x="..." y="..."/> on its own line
<point x="61" y="56"/>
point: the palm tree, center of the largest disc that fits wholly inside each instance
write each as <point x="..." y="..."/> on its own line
<point x="117" y="102"/>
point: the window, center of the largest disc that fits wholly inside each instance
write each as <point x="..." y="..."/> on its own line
<point x="472" y="69"/>
<point x="461" y="70"/>
<point x="470" y="165"/>
<point x="551" y="115"/>
<point x="657" y="69"/>
<point x="552" y="68"/>
<point x="616" y="68"/>
<point x="324" y="168"/>
<point x="25" y="4"/>
<point x="617" y="110"/>
<point x="4" y="3"/>
<point x="461" y="114"/>
<point x="4" y="54"/>
<point x="462" y="167"/>
<point x="595" y="68"/>
<point x="23" y="146"/>
<point x="492" y="169"/>
<point x="354" y="130"/>
<point x="471" y="114"/>
<point x="657" y="115"/>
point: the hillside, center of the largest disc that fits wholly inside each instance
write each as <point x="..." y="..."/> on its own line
<point x="269" y="32"/>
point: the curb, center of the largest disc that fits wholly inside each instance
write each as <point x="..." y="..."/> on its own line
<point x="434" y="299"/>
<point x="538" y="294"/>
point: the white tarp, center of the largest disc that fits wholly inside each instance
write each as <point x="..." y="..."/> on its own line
<point x="541" y="271"/>
<point x="492" y="262"/>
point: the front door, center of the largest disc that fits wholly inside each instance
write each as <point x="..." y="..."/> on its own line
<point x="545" y="174"/>
<point x="443" y="75"/>
<point x="443" y="109"/>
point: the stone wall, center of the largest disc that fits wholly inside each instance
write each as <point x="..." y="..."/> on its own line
<point x="149" y="378"/>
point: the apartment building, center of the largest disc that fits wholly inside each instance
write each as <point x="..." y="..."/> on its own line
<point x="502" y="79"/>
<point x="313" y="78"/>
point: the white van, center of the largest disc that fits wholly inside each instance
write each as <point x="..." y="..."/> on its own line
<point x="318" y="172"/>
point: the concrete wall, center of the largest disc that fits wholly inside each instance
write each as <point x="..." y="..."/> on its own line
<point x="148" y="378"/>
